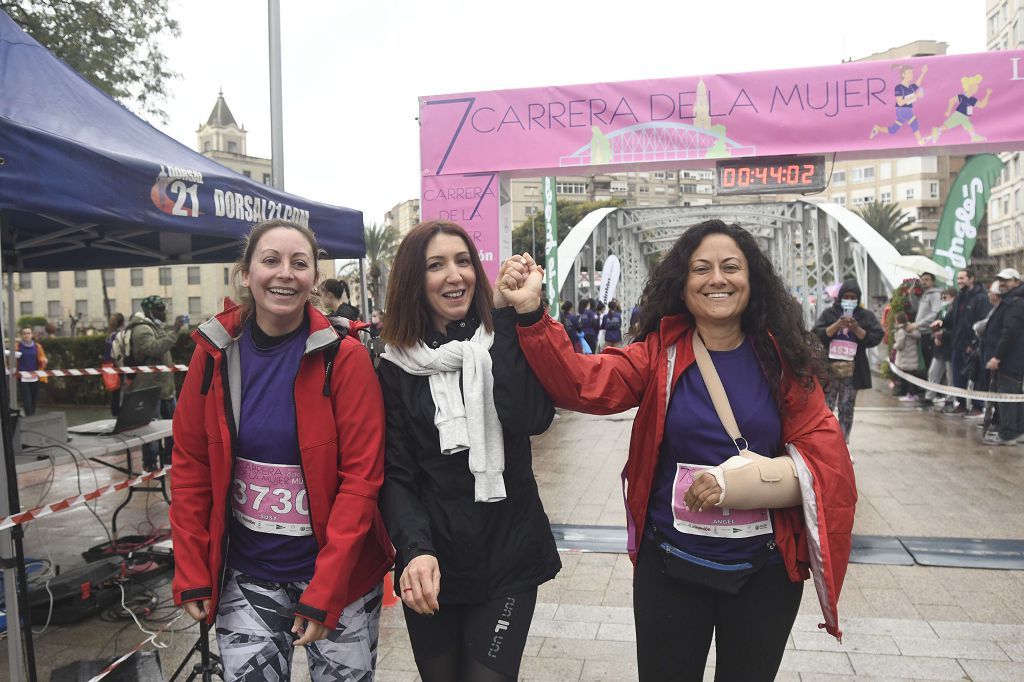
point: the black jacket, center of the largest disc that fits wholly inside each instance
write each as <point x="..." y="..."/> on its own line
<point x="866" y="319"/>
<point x="347" y="310"/>
<point x="969" y="306"/>
<point x="942" y="349"/>
<point x="1008" y="320"/>
<point x="484" y="550"/>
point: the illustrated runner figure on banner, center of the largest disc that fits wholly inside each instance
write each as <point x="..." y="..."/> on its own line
<point x="908" y="91"/>
<point x="965" y="104"/>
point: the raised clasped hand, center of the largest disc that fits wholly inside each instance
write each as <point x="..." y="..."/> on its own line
<point x="519" y="283"/>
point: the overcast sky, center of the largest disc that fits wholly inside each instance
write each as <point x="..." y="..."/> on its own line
<point x="353" y="69"/>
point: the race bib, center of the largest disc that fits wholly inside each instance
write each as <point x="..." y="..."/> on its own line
<point x="839" y="349"/>
<point x="714" y="521"/>
<point x="270" y="498"/>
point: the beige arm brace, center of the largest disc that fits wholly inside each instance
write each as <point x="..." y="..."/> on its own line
<point x="752" y="481"/>
<point x="748" y="480"/>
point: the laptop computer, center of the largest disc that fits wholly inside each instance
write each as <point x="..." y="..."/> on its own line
<point x="137" y="409"/>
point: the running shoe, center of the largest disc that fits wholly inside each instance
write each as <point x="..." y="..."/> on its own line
<point x="993" y="438"/>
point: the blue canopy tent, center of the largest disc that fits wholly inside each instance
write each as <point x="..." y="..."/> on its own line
<point x="84" y="183"/>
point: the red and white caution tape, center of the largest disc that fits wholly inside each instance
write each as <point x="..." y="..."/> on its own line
<point x="110" y="668"/>
<point x="76" y="500"/>
<point x="151" y="639"/>
<point x="100" y="371"/>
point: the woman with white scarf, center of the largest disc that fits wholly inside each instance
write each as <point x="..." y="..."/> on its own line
<point x="459" y="499"/>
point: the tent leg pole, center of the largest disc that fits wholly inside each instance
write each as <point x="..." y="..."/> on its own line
<point x="21" y="659"/>
<point x="276" y="116"/>
<point x="12" y="380"/>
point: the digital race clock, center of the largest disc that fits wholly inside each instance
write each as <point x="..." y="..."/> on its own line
<point x="771" y="175"/>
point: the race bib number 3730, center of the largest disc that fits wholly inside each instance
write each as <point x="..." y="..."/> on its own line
<point x="270" y="498"/>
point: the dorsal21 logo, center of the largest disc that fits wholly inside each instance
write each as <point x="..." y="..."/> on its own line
<point x="176" y="191"/>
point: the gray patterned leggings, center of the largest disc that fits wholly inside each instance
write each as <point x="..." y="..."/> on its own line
<point x="254" y="620"/>
<point x="840" y="397"/>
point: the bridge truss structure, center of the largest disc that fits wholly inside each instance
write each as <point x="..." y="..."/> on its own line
<point x="812" y="245"/>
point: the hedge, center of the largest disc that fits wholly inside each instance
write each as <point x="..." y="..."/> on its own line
<point x="87" y="351"/>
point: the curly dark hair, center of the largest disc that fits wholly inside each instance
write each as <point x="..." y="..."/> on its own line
<point x="770" y="308"/>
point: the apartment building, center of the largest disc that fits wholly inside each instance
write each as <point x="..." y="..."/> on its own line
<point x="403" y="216"/>
<point x="643" y="188"/>
<point x="1005" y="31"/>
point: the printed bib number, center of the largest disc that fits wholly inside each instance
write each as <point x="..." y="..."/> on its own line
<point x="714" y="522"/>
<point x="842" y="350"/>
<point x="270" y="498"/>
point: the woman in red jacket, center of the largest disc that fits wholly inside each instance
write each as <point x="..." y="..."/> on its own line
<point x="707" y="562"/>
<point x="278" y="459"/>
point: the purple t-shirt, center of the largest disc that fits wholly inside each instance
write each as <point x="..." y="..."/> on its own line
<point x="267" y="434"/>
<point x="964" y="104"/>
<point x="905" y="90"/>
<point x="29" y="360"/>
<point x="694" y="435"/>
<point x="612" y="324"/>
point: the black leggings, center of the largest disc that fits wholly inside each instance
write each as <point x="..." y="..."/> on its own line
<point x="675" y="621"/>
<point x="472" y="642"/>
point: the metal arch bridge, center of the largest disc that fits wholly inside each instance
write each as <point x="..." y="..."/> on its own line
<point x="811" y="244"/>
<point x="657" y="141"/>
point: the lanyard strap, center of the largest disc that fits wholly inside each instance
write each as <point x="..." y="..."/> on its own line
<point x="718" y="395"/>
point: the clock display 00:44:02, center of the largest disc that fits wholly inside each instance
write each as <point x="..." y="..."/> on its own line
<point x="794" y="174"/>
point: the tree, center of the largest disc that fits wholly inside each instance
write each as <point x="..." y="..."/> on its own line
<point x="114" y="44"/>
<point x="893" y="224"/>
<point x="31" y="321"/>
<point x="569" y="213"/>
<point x="381" y="244"/>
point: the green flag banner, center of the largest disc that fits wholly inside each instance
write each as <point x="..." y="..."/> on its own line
<point x="551" y="244"/>
<point x="964" y="209"/>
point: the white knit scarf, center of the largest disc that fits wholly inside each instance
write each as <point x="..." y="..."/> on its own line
<point x="466" y="418"/>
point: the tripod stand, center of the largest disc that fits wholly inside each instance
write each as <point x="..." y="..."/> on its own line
<point x="208" y="665"/>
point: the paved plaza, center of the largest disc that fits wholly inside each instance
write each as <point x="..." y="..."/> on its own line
<point x="918" y="473"/>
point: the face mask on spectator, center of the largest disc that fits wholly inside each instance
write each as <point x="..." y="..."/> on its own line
<point x="848" y="305"/>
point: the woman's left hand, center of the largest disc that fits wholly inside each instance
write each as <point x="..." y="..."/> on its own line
<point x="309" y="631"/>
<point x="703" y="493"/>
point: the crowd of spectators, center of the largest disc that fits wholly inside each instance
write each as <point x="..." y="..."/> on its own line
<point x="969" y="337"/>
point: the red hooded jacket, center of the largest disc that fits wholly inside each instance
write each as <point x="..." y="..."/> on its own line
<point x="814" y="539"/>
<point x="340" y="424"/>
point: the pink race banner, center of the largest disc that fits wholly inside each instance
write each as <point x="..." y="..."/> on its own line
<point x="470" y="200"/>
<point x="870" y="109"/>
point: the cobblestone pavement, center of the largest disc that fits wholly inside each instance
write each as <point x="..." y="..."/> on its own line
<point x="918" y="473"/>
